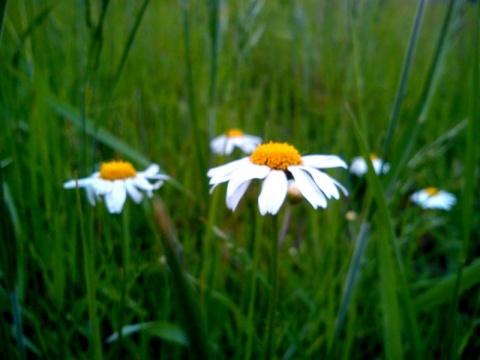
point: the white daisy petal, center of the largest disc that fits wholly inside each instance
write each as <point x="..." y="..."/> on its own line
<point x="323" y="161"/>
<point x="91" y="195"/>
<point x="308" y="188"/>
<point x="152" y="170"/>
<point x="235" y="196"/>
<point x="323" y="181"/>
<point x="72" y="184"/>
<point x="218" y="144"/>
<point x="132" y="191"/>
<point x="273" y="193"/>
<point x="247" y="172"/>
<point x="101" y="186"/>
<point x="226" y="169"/>
<point x="116" y="198"/>
<point x="142" y="183"/>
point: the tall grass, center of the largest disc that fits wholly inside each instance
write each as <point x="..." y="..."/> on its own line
<point x="370" y="276"/>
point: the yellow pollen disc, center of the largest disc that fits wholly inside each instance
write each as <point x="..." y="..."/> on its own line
<point x="117" y="170"/>
<point x="235" y="132"/>
<point x="277" y="156"/>
<point x="373" y="157"/>
<point x="431" y="191"/>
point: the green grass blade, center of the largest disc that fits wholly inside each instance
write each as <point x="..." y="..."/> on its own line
<point x="467" y="193"/>
<point x="102" y="135"/>
<point x="404" y="78"/>
<point x="444" y="289"/>
<point x="191" y="313"/>
<point x="403" y="149"/>
<point x="389" y="235"/>
<point x="3" y="14"/>
<point x="352" y="276"/>
<point x="161" y="329"/>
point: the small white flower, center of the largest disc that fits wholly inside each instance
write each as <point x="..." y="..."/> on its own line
<point x="224" y="144"/>
<point x="117" y="178"/>
<point x="275" y="163"/>
<point x="432" y="198"/>
<point x="359" y="165"/>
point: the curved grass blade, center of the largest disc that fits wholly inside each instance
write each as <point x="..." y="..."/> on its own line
<point x="162" y="329"/>
<point x="444" y="290"/>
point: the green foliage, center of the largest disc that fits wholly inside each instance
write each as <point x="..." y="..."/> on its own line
<point x="370" y="276"/>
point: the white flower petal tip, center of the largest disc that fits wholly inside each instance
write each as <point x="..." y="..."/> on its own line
<point x="359" y="166"/>
<point x="433" y="198"/>
<point x="275" y="163"/>
<point x="115" y="180"/>
<point x="234" y="138"/>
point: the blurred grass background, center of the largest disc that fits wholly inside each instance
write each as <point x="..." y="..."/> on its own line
<point x="153" y="81"/>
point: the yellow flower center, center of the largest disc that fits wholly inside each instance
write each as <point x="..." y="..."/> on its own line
<point x="373" y="157"/>
<point x="235" y="132"/>
<point x="277" y="156"/>
<point x="117" y="170"/>
<point x="431" y="191"/>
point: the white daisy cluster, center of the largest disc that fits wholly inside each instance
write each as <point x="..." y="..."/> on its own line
<point x="115" y="180"/>
<point x="275" y="163"/>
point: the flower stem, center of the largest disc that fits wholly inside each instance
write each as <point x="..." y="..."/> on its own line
<point x="125" y="269"/>
<point x="89" y="268"/>
<point x="273" y="291"/>
<point x="253" y="283"/>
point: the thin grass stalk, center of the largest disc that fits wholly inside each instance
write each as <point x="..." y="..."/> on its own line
<point x="449" y="351"/>
<point x="384" y="213"/>
<point x="3" y="14"/>
<point x="412" y="44"/>
<point x="214" y="25"/>
<point x="125" y="245"/>
<point x="413" y="125"/>
<point x="17" y="324"/>
<point x="192" y="102"/>
<point x="209" y="259"/>
<point x="89" y="269"/>
<point x="389" y="301"/>
<point x="361" y="243"/>
<point x="253" y="285"/>
<point x="188" y="304"/>
<point x="272" y="301"/>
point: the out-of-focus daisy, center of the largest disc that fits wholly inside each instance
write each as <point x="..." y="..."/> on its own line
<point x="275" y="163"/>
<point x="433" y="198"/>
<point x="225" y="143"/>
<point x="359" y="165"/>
<point x="117" y="178"/>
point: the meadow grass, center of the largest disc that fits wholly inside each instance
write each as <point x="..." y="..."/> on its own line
<point x="371" y="276"/>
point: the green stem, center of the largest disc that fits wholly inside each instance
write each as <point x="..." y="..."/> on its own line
<point x="125" y="267"/>
<point x="89" y="268"/>
<point x="253" y="284"/>
<point x="273" y="291"/>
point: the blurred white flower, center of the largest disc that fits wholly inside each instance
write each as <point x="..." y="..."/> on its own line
<point x="433" y="198"/>
<point x="359" y="165"/>
<point x="275" y="163"/>
<point x="114" y="180"/>
<point x="225" y="143"/>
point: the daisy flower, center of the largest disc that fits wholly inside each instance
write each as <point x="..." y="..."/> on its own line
<point x="275" y="163"/>
<point x="117" y="178"/>
<point x="225" y="143"/>
<point x="359" y="165"/>
<point x="433" y="198"/>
